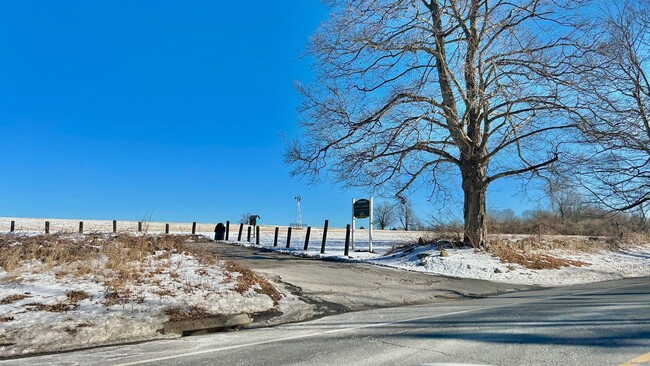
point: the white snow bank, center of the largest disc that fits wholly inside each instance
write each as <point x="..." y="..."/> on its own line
<point x="468" y="263"/>
<point x="171" y="281"/>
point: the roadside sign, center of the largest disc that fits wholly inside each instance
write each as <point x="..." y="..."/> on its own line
<point x="362" y="209"/>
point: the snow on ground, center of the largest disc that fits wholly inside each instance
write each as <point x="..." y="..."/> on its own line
<point x="632" y="261"/>
<point x="31" y="330"/>
<point x="604" y="265"/>
<point x="467" y="263"/>
<point x="45" y="308"/>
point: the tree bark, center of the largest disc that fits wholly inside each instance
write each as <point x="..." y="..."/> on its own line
<point x="474" y="188"/>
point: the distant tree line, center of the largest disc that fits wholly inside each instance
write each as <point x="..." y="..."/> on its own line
<point x="568" y="215"/>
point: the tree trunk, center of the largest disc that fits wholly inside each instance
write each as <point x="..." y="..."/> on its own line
<point x="474" y="211"/>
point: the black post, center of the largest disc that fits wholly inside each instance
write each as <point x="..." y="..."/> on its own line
<point x="275" y="240"/>
<point x="114" y="226"/>
<point x="257" y="235"/>
<point x="347" y="240"/>
<point x="227" y="229"/>
<point x="166" y="228"/>
<point x="13" y="226"/>
<point x="322" y="247"/>
<point x="47" y="227"/>
<point x="289" y="237"/>
<point x="307" y="237"/>
<point x="249" y="234"/>
<point x="194" y="228"/>
<point x="139" y="226"/>
<point x="81" y="227"/>
<point x="241" y="228"/>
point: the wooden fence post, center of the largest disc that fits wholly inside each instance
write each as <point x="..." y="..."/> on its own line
<point x="166" y="228"/>
<point x="194" y="228"/>
<point x="275" y="240"/>
<point x="227" y="229"/>
<point x="114" y="226"/>
<point x="139" y="226"/>
<point x="47" y="227"/>
<point x="257" y="235"/>
<point x="249" y="234"/>
<point x="347" y="240"/>
<point x="322" y="247"/>
<point x="81" y="227"/>
<point x="307" y="237"/>
<point x="13" y="226"/>
<point x="289" y="237"/>
<point x="241" y="228"/>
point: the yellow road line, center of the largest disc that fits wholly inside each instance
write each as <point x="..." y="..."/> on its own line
<point x="637" y="361"/>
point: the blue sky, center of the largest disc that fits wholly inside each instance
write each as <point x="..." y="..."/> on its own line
<point x="169" y="109"/>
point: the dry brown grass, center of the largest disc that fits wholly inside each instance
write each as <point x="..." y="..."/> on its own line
<point x="193" y="312"/>
<point x="12" y="298"/>
<point x="627" y="238"/>
<point x="532" y="260"/>
<point x="50" y="250"/>
<point x="54" y="308"/>
<point x="63" y="249"/>
<point x="117" y="261"/>
<point x="120" y="255"/>
<point x="75" y="296"/>
<point x="116" y="298"/>
<point x="163" y="292"/>
<point x="574" y="244"/>
<point x="248" y="279"/>
<point x="83" y="269"/>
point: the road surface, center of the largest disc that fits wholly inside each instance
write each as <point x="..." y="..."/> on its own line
<point x="596" y="324"/>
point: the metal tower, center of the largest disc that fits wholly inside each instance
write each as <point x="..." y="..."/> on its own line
<point x="298" y="214"/>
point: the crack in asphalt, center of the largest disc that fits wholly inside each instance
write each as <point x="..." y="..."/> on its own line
<point x="408" y="347"/>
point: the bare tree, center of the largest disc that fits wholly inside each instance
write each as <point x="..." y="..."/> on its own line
<point x="407" y="217"/>
<point x="245" y="218"/>
<point x="420" y="92"/>
<point x="616" y="95"/>
<point x="565" y="199"/>
<point x="384" y="214"/>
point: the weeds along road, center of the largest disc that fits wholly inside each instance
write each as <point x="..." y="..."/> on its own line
<point x="597" y="324"/>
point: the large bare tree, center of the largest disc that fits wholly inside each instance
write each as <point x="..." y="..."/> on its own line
<point x="412" y="93"/>
<point x="615" y="92"/>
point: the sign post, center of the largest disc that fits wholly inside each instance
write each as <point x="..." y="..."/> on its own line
<point x="353" y="222"/>
<point x="370" y="223"/>
<point x="362" y="209"/>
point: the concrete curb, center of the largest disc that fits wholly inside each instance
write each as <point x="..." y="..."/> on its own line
<point x="211" y="324"/>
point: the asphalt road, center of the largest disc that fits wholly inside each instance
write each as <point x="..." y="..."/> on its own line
<point x="597" y="324"/>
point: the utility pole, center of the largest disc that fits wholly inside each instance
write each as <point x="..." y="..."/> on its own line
<point x="298" y="213"/>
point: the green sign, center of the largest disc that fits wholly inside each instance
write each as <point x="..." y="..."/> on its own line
<point x="362" y="209"/>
